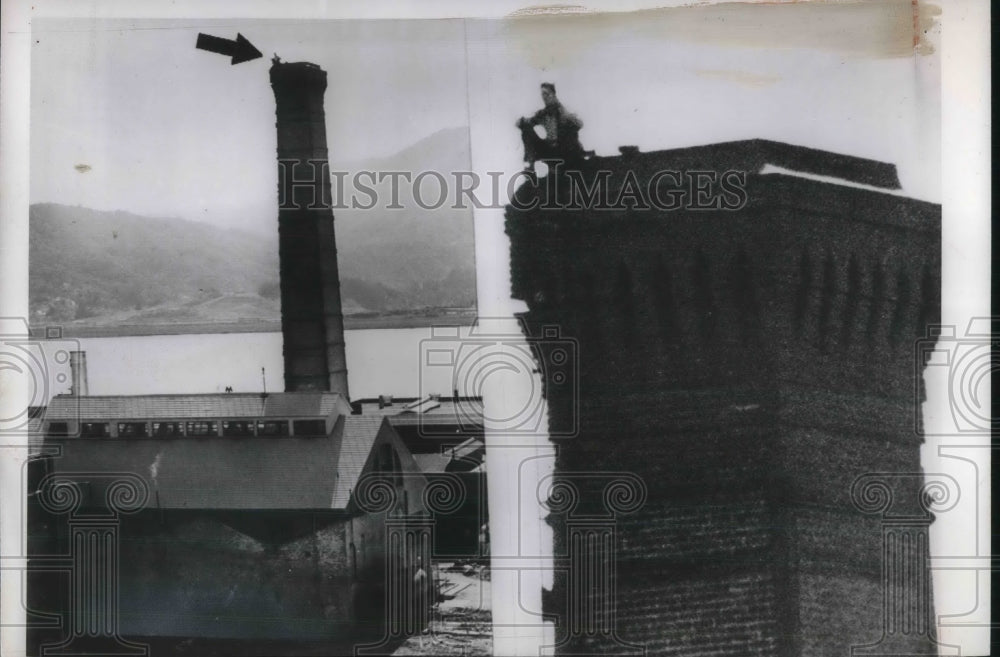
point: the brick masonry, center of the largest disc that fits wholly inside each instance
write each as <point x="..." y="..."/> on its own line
<point x="749" y="365"/>
<point x="312" y="322"/>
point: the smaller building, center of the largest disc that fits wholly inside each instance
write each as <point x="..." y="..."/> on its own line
<point x="253" y="527"/>
<point x="446" y="438"/>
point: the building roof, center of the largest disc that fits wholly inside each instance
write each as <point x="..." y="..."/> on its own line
<point x="433" y="462"/>
<point x="411" y="411"/>
<point x="254" y="473"/>
<point x="359" y="436"/>
<point x="218" y="405"/>
<point x="753" y="154"/>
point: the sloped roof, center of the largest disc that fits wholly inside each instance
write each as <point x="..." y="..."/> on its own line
<point x="359" y="436"/>
<point x="280" y="473"/>
<point x="433" y="461"/>
<point x="151" y="407"/>
<point x="408" y="406"/>
<point x="466" y="411"/>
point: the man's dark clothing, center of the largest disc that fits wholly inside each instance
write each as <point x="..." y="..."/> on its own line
<point x="562" y="135"/>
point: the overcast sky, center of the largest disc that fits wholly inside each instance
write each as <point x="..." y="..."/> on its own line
<point x="838" y="77"/>
<point x="169" y="130"/>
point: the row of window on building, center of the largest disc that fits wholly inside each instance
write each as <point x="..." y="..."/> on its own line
<point x="172" y="429"/>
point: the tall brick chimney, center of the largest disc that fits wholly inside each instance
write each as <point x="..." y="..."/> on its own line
<point x="750" y="359"/>
<point x="78" y="372"/>
<point x="312" y="322"/>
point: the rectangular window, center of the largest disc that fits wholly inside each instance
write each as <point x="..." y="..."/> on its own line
<point x="205" y="428"/>
<point x="272" y="428"/>
<point x="58" y="428"/>
<point x="133" y="430"/>
<point x="237" y="428"/>
<point x="95" y="429"/>
<point x="309" y="427"/>
<point x="168" y="429"/>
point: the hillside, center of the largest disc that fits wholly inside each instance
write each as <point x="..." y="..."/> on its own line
<point x="86" y="263"/>
<point x="93" y="267"/>
<point x="438" y="242"/>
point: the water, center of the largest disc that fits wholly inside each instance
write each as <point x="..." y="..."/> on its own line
<point x="379" y="361"/>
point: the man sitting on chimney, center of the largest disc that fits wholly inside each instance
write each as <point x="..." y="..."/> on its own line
<point x="562" y="131"/>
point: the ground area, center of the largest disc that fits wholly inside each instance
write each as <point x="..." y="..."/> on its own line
<point x="462" y="622"/>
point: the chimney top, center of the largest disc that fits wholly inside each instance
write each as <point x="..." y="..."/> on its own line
<point x="78" y="373"/>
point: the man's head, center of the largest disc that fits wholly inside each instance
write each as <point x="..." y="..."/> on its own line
<point x="549" y="94"/>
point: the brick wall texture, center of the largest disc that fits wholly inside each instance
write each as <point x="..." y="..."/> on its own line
<point x="749" y="366"/>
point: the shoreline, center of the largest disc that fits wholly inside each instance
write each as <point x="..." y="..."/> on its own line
<point x="351" y="323"/>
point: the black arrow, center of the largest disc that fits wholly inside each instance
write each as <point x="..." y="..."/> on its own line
<point x="241" y="49"/>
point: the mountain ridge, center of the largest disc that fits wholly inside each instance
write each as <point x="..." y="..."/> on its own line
<point x="92" y="266"/>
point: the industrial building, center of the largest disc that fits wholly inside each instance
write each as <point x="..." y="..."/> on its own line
<point x="252" y="526"/>
<point x="260" y="522"/>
